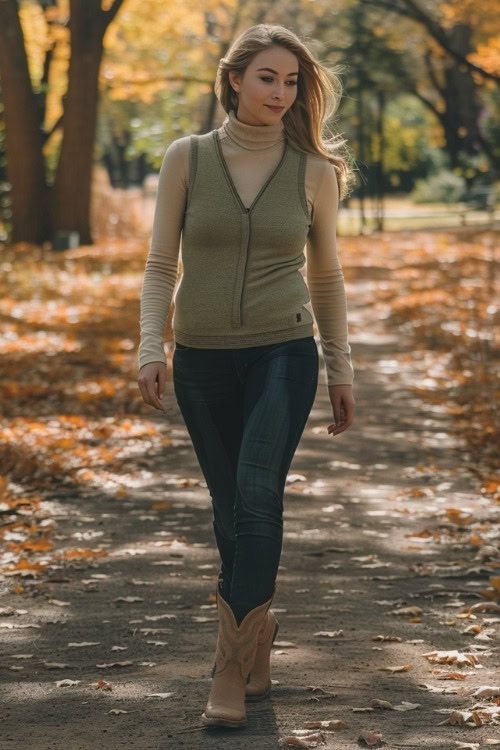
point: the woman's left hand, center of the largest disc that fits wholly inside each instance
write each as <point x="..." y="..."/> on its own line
<point x="343" y="408"/>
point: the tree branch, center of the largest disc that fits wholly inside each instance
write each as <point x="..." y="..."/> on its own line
<point x="55" y="126"/>
<point x="432" y="73"/>
<point x="415" y="13"/>
<point x="109" y="14"/>
<point x="428" y="104"/>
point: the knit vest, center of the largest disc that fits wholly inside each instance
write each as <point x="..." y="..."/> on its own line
<point x="241" y="283"/>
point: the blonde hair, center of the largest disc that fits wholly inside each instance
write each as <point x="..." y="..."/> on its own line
<point x="319" y="90"/>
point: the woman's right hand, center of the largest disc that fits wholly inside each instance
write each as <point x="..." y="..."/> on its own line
<point x="152" y="379"/>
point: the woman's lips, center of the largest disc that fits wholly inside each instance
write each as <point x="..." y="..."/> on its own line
<point x="275" y="109"/>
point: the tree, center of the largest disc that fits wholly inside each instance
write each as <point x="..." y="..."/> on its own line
<point x="39" y="209"/>
<point x="454" y="31"/>
<point x="71" y="202"/>
<point x="459" y="58"/>
<point x="25" y="171"/>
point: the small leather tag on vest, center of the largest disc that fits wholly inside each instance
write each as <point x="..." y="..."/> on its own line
<point x="299" y="317"/>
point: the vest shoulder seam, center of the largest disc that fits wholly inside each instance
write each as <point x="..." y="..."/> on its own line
<point x="302" y="184"/>
<point x="193" y="165"/>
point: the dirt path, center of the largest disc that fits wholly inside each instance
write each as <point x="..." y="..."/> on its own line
<point x="349" y="563"/>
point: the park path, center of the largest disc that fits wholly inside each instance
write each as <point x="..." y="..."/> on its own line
<point x="349" y="565"/>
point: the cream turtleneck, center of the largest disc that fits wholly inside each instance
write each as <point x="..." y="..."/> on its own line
<point x="253" y="137"/>
<point x="251" y="153"/>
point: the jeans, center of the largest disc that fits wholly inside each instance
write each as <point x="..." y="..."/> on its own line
<point x="245" y="411"/>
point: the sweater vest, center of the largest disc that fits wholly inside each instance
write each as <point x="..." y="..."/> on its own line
<point x="241" y="283"/>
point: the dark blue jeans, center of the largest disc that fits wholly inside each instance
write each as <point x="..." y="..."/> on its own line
<point x="245" y="411"/>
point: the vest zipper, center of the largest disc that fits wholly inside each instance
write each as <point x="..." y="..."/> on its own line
<point x="245" y="209"/>
<point x="246" y="265"/>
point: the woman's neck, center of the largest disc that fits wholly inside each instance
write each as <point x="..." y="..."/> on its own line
<point x="253" y="137"/>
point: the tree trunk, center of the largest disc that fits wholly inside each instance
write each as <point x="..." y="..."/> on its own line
<point x="463" y="105"/>
<point x="379" y="165"/>
<point x="72" y="189"/>
<point x="23" y="135"/>
<point x="360" y="137"/>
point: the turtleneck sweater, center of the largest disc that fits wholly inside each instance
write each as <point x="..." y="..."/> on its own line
<point x="251" y="153"/>
<point x="253" y="137"/>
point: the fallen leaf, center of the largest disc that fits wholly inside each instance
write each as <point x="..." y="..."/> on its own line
<point x="391" y="638"/>
<point x="487" y="691"/>
<point x="406" y="706"/>
<point x="463" y="718"/>
<point x="451" y="657"/>
<point x="370" y="738"/>
<point x="485" y="607"/>
<point x="379" y="703"/>
<point x="104" y="685"/>
<point x="304" y="742"/>
<point x="160" y="617"/>
<point x="67" y="683"/>
<point x="407" y="611"/>
<point x="326" y="724"/>
<point x="403" y="668"/>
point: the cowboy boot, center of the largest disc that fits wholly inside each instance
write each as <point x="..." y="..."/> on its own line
<point x="259" y="677"/>
<point x="259" y="680"/>
<point x="234" y="659"/>
<point x="259" y="685"/>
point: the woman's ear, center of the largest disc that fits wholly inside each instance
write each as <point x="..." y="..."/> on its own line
<point x="233" y="80"/>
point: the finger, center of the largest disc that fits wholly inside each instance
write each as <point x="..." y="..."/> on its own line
<point x="335" y="428"/>
<point x="337" y="412"/>
<point x="143" y="390"/>
<point x="162" y="378"/>
<point x="350" y="413"/>
<point x="153" y="398"/>
<point x="339" y="429"/>
<point x="346" y="422"/>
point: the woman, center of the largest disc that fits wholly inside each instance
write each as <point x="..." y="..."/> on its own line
<point x="248" y="197"/>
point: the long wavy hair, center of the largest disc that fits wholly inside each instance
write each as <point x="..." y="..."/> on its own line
<point x="319" y="91"/>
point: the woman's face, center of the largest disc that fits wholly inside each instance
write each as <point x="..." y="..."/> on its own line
<point x="258" y="88"/>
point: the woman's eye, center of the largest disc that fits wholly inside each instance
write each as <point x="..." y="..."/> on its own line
<point x="267" y="78"/>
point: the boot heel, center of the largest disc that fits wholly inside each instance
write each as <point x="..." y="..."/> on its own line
<point x="251" y="694"/>
<point x="276" y="631"/>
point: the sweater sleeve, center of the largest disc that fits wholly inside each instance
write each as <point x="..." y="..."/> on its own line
<point x="160" y="274"/>
<point x="325" y="281"/>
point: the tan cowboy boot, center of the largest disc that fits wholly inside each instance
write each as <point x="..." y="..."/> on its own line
<point x="234" y="659"/>
<point x="259" y="685"/>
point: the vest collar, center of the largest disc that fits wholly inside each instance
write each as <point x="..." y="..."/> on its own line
<point x="252" y="137"/>
<point x="232" y="186"/>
